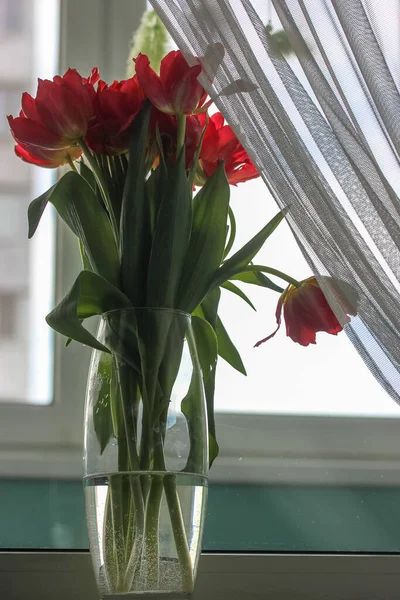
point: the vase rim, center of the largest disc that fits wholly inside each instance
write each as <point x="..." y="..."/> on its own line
<point x="160" y="309"/>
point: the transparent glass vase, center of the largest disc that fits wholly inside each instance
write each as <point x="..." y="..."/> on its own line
<point x="146" y="455"/>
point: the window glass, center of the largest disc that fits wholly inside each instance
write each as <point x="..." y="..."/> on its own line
<point x="26" y="268"/>
<point x="282" y="376"/>
<point x="309" y="440"/>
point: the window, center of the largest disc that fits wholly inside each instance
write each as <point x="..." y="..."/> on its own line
<point x="26" y="271"/>
<point x="8" y="315"/>
<point x="13" y="16"/>
<point x="291" y="474"/>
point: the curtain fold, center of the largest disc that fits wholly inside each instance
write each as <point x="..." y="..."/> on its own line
<point x="322" y="126"/>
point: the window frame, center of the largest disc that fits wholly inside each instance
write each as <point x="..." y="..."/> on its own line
<point x="38" y="441"/>
<point x="46" y="441"/>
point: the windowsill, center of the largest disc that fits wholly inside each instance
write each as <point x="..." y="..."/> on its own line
<point x="45" y="576"/>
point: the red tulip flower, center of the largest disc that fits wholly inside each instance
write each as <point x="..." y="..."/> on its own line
<point x="50" y="159"/>
<point x="306" y="310"/>
<point x="176" y="90"/>
<point x="221" y="144"/>
<point x="116" y="106"/>
<point x="59" y="115"/>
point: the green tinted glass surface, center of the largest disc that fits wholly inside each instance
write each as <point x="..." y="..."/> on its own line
<point x="50" y="514"/>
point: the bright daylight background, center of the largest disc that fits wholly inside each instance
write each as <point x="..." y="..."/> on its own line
<point x="28" y="48"/>
<point x="329" y="378"/>
<point x="283" y="377"/>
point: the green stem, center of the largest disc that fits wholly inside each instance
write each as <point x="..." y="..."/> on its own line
<point x="149" y="393"/>
<point x="132" y="497"/>
<point x="178" y="529"/>
<point x="232" y="235"/>
<point x="138" y="538"/>
<point x="71" y="164"/>
<point x="272" y="271"/>
<point x="102" y="185"/>
<point x="180" y="142"/>
<point x="152" y="531"/>
<point x="128" y="396"/>
<point x="127" y="531"/>
<point x="109" y="545"/>
<point x="117" y="527"/>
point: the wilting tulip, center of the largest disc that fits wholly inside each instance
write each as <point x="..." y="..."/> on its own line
<point x="306" y="310"/>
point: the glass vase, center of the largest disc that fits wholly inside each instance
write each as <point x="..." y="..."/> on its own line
<point x="146" y="455"/>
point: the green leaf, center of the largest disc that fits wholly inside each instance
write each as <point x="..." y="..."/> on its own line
<point x="90" y="295"/>
<point x="243" y="256"/>
<point x="154" y="189"/>
<point x="160" y="147"/>
<point x="118" y="171"/>
<point x="135" y="227"/>
<point x="231" y="287"/>
<point x="213" y="448"/>
<point x="192" y="172"/>
<point x="102" y="416"/>
<point x="114" y="177"/>
<point x="207" y="241"/>
<point x="257" y="278"/>
<point x="209" y="308"/>
<point x="77" y="205"/>
<point x="87" y="174"/>
<point x="206" y="344"/>
<point x="86" y="266"/>
<point x="191" y="407"/>
<point x="227" y="350"/>
<point x="36" y="210"/>
<point x="170" y="239"/>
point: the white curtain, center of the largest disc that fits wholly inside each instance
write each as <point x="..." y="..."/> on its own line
<point x="322" y="125"/>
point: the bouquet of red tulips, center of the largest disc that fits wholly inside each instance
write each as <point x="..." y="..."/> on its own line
<point x="137" y="150"/>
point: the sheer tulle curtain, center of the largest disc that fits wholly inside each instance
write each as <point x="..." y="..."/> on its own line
<point x="322" y="125"/>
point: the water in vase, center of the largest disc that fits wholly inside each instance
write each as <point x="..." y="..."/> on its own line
<point x="144" y="531"/>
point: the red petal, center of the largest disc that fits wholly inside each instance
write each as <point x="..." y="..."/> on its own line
<point x="33" y="133"/>
<point x="218" y="120"/>
<point x="46" y="158"/>
<point x="296" y="329"/>
<point x="186" y="92"/>
<point x="72" y="78"/>
<point x="307" y="312"/>
<point x="244" y="173"/>
<point x="202" y="108"/>
<point x="93" y="77"/>
<point x="151" y="84"/>
<point x="29" y="107"/>
<point x="278" y="316"/>
<point x="180" y="85"/>
<point x="63" y="110"/>
<point x="312" y="308"/>
<point x="227" y="141"/>
<point x="172" y="69"/>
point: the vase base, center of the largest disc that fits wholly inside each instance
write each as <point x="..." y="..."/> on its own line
<point x="148" y="596"/>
